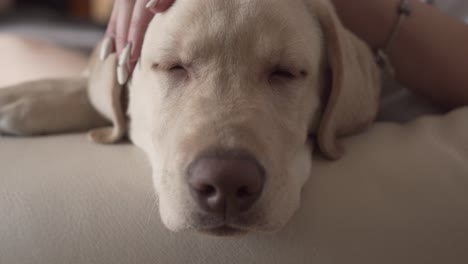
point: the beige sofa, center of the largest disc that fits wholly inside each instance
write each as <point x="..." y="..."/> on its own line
<point x="400" y="195"/>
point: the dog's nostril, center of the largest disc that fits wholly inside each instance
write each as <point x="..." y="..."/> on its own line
<point x="243" y="192"/>
<point x="207" y="190"/>
<point x="226" y="185"/>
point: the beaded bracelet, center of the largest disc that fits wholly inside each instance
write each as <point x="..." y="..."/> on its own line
<point x="404" y="10"/>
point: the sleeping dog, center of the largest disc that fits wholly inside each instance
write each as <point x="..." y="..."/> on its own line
<point x="228" y="101"/>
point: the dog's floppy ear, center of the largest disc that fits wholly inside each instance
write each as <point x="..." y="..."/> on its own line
<point x="105" y="95"/>
<point x="352" y="101"/>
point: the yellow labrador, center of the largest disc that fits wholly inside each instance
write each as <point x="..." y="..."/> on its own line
<point x="227" y="102"/>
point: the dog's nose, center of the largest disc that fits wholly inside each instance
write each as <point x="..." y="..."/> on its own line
<point x="226" y="185"/>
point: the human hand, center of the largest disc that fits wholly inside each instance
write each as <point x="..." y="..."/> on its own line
<point x="126" y="30"/>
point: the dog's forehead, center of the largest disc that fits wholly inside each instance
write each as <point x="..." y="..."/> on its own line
<point x="219" y="14"/>
<point x="254" y="26"/>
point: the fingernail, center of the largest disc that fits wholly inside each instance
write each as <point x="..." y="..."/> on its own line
<point x="151" y="4"/>
<point x="122" y="70"/>
<point x="122" y="75"/>
<point x="106" y="48"/>
<point x="125" y="55"/>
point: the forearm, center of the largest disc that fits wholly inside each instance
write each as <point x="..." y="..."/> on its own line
<point x="430" y="54"/>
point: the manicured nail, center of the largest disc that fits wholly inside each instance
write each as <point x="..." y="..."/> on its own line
<point x="122" y="74"/>
<point x="106" y="48"/>
<point x="151" y="4"/>
<point x="122" y="70"/>
<point x="125" y="55"/>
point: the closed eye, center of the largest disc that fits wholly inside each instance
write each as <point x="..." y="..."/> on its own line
<point x="282" y="73"/>
<point x="175" y="72"/>
<point x="177" y="68"/>
<point x="286" y="74"/>
<point x="170" y="68"/>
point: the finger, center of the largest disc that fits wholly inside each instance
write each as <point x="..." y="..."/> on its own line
<point x="140" y="20"/>
<point x="112" y="25"/>
<point x="162" y="5"/>
<point x="124" y="17"/>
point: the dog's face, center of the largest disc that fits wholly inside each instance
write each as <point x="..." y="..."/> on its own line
<point x="225" y="95"/>
<point x="223" y="101"/>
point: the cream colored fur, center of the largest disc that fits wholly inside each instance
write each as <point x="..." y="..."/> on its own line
<point x="252" y="75"/>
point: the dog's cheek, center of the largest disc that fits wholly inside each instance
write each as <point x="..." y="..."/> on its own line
<point x="300" y="167"/>
<point x="176" y="205"/>
<point x="286" y="200"/>
<point x="169" y="216"/>
<point x="174" y="211"/>
<point x="157" y="169"/>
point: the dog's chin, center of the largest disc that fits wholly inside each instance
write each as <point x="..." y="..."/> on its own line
<point x="219" y="229"/>
<point x="224" y="231"/>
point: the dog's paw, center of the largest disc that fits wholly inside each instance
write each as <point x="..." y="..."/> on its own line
<point x="47" y="107"/>
<point x="17" y="112"/>
<point x="30" y="110"/>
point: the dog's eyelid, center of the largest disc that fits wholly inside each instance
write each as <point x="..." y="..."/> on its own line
<point x="170" y="66"/>
<point x="288" y="72"/>
<point x="176" y="67"/>
<point x="155" y="66"/>
<point x="283" y="73"/>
